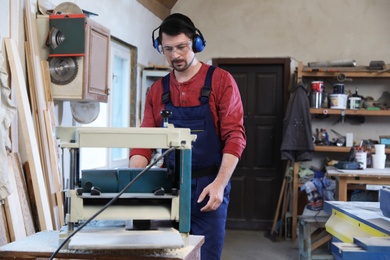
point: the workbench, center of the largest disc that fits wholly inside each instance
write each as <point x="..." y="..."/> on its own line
<point x="312" y="236"/>
<point x="350" y="219"/>
<point x="359" y="230"/>
<point x="367" y="176"/>
<point x="44" y="243"/>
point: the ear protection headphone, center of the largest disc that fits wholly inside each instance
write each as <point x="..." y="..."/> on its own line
<point x="198" y="41"/>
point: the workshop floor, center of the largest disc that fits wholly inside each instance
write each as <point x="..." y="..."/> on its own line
<point x="254" y="245"/>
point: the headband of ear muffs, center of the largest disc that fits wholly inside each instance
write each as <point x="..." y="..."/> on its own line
<point x="198" y="41"/>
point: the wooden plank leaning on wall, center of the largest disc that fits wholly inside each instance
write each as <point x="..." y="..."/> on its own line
<point x="17" y="208"/>
<point x="13" y="208"/>
<point x="39" y="99"/>
<point x="29" y="137"/>
<point x="4" y="232"/>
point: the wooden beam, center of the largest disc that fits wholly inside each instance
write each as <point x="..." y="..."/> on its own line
<point x="160" y="10"/>
<point x="167" y="3"/>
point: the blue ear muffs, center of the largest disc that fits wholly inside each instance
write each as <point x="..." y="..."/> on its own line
<point x="155" y="41"/>
<point x="198" y="42"/>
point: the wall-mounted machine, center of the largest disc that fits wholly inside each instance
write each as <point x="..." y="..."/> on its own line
<point x="77" y="48"/>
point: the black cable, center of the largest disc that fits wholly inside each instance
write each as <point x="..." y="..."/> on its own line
<point x="111" y="201"/>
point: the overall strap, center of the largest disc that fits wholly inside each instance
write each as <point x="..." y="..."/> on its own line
<point x="166" y="97"/>
<point x="205" y="94"/>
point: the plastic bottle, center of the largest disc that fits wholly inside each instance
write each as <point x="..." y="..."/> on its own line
<point x="326" y="137"/>
<point x="361" y="157"/>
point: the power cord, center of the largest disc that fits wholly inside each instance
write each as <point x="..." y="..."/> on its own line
<point x="110" y="202"/>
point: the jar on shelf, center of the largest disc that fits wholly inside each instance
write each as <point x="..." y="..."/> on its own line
<point x="317" y="88"/>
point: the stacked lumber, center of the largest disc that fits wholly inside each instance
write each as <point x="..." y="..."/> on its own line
<point x="42" y="171"/>
<point x="43" y="115"/>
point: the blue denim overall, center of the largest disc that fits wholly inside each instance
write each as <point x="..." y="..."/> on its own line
<point x="206" y="158"/>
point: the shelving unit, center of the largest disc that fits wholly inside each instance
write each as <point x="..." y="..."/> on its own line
<point x="339" y="149"/>
<point x="336" y="73"/>
<point x="351" y="72"/>
<point x="148" y="78"/>
<point x="355" y="112"/>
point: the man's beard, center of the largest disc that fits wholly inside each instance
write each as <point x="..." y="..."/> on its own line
<point x="181" y="68"/>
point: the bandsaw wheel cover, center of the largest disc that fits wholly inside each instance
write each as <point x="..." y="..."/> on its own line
<point x="68" y="8"/>
<point x="85" y="112"/>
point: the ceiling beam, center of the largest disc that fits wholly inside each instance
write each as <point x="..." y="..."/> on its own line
<point x="161" y="8"/>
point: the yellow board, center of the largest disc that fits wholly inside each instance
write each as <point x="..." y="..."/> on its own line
<point x="345" y="228"/>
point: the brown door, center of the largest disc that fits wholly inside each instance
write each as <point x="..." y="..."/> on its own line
<point x="256" y="182"/>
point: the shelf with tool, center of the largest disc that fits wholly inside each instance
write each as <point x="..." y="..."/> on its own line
<point x="361" y="112"/>
<point x="365" y="121"/>
<point x="339" y="149"/>
<point x="341" y="73"/>
<point x="364" y="78"/>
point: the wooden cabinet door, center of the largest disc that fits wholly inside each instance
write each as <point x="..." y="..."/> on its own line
<point x="97" y="58"/>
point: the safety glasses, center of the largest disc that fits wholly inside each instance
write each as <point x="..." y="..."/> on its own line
<point x="180" y="49"/>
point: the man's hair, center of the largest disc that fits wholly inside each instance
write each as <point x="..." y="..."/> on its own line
<point x="176" y="24"/>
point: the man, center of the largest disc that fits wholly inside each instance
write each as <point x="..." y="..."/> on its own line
<point x="206" y="100"/>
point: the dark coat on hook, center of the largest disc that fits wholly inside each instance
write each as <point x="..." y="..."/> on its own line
<point x="297" y="144"/>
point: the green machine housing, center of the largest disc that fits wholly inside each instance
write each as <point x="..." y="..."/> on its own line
<point x="115" y="180"/>
<point x="66" y="35"/>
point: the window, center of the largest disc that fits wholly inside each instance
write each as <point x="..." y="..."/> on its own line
<point x="114" y="113"/>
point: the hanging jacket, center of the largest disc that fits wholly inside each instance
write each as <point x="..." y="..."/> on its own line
<point x="297" y="144"/>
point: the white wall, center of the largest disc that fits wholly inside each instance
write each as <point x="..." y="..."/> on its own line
<point x="308" y="30"/>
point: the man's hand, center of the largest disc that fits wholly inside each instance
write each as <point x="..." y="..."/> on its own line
<point x="216" y="189"/>
<point x="215" y="192"/>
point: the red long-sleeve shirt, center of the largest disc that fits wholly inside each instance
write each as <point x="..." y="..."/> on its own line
<point x="225" y="103"/>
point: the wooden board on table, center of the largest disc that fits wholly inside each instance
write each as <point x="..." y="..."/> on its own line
<point x="376" y="244"/>
<point x="29" y="137"/>
<point x="119" y="238"/>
